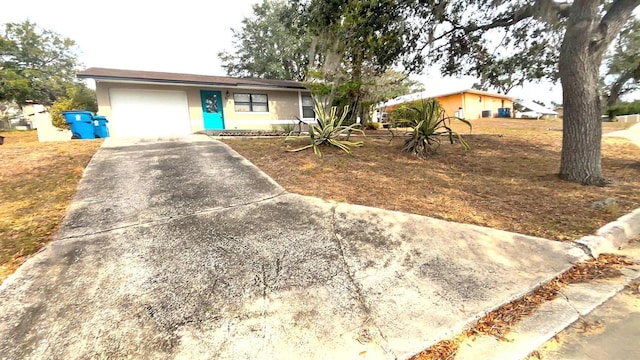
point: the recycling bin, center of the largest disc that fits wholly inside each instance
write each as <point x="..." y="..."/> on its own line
<point x="100" y="129"/>
<point x="504" y="112"/>
<point x="81" y="124"/>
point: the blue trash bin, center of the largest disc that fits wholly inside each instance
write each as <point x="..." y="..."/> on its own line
<point x="100" y="126"/>
<point x="507" y="112"/>
<point x="81" y="124"/>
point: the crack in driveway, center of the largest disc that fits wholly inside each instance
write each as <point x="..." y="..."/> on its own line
<point x="361" y="296"/>
<point x="165" y="219"/>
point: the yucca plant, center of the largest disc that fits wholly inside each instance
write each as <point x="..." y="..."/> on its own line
<point x="329" y="131"/>
<point x="429" y="123"/>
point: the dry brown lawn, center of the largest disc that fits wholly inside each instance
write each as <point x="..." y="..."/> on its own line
<point x="37" y="182"/>
<point x="507" y="180"/>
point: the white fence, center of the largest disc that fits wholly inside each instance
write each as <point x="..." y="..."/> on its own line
<point x="634" y="118"/>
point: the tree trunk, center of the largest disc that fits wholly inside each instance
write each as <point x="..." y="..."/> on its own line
<point x="587" y="37"/>
<point x="582" y="128"/>
<point x="355" y="93"/>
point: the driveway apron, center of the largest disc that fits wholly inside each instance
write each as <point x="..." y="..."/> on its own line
<point x="182" y="249"/>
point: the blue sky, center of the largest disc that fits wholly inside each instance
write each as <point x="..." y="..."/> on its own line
<point x="176" y="36"/>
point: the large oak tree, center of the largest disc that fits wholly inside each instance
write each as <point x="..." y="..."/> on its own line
<point x="471" y="36"/>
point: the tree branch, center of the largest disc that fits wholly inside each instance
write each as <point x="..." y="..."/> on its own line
<point x="561" y="9"/>
<point x="502" y="22"/>
<point x="612" y="22"/>
<point x="616" y="87"/>
<point x="540" y="7"/>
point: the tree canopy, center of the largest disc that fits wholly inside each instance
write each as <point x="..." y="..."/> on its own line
<point x="356" y="40"/>
<point x="380" y="87"/>
<point x="340" y="44"/>
<point x="35" y="64"/>
<point x="623" y="66"/>
<point x="272" y="44"/>
<point x="502" y="43"/>
<point x="532" y="39"/>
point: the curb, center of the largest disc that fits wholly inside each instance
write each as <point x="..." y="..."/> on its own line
<point x="576" y="300"/>
<point x="613" y="235"/>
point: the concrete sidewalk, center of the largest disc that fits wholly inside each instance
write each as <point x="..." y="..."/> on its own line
<point x="596" y="319"/>
<point x="183" y="249"/>
<point x="612" y="330"/>
<point x="632" y="134"/>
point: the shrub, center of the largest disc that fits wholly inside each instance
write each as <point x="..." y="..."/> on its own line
<point x="288" y="128"/>
<point x="328" y="131"/>
<point x="77" y="97"/>
<point x="400" y="115"/>
<point x="624" y="108"/>
<point x="60" y="105"/>
<point x="372" y="126"/>
<point x="429" y="122"/>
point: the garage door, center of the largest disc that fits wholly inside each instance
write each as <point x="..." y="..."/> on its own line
<point x="136" y="112"/>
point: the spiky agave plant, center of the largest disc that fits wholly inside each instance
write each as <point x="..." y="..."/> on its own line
<point x="329" y="131"/>
<point x="429" y="123"/>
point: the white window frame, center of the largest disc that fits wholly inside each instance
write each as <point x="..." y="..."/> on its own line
<point x="250" y="103"/>
<point x="300" y="95"/>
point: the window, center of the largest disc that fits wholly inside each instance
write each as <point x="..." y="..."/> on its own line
<point x="307" y="107"/>
<point x="251" y="102"/>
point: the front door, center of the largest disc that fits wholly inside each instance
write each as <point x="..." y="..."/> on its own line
<point x="212" y="110"/>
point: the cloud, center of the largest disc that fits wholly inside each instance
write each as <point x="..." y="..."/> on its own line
<point x="176" y="36"/>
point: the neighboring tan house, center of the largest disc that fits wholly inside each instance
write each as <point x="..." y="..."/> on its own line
<point x="145" y="103"/>
<point x="560" y="111"/>
<point x="468" y="103"/>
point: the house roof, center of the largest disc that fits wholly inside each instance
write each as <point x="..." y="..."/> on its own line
<point x="535" y="107"/>
<point x="430" y="94"/>
<point x="178" y="78"/>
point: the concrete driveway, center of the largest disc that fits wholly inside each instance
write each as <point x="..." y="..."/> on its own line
<point x="182" y="249"/>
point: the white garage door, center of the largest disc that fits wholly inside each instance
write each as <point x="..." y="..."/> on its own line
<point x="136" y="112"/>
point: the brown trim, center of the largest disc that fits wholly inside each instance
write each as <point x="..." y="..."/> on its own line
<point x="178" y="78"/>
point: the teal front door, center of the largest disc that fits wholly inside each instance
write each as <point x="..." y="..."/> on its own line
<point x="212" y="110"/>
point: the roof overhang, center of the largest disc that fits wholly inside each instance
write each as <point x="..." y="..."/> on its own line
<point x="535" y="107"/>
<point x="478" y="92"/>
<point x="429" y="95"/>
<point x="192" y="83"/>
<point x="161" y="78"/>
